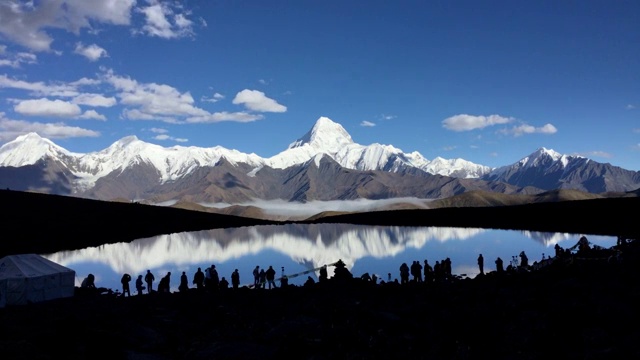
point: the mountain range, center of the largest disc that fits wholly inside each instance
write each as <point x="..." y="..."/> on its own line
<point x="324" y="164"/>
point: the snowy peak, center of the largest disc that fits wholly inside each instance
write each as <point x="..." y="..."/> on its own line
<point x="545" y="157"/>
<point x="28" y="149"/>
<point x="325" y="136"/>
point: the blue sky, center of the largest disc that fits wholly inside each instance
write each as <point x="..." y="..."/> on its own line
<point x="486" y="81"/>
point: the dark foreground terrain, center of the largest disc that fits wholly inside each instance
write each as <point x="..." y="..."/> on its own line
<point x="580" y="307"/>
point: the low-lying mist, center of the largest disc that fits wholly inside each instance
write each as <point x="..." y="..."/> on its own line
<point x="307" y="209"/>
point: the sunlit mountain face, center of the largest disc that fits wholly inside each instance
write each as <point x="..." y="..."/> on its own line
<point x="298" y="250"/>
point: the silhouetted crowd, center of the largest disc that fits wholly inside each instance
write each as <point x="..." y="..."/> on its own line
<point x="209" y="279"/>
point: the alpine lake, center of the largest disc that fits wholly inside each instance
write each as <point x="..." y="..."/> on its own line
<point x="298" y="250"/>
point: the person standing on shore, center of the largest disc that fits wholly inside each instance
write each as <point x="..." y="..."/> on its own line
<point x="256" y="276"/>
<point x="149" y="278"/>
<point x="184" y="283"/>
<point x="235" y="279"/>
<point x="139" y="284"/>
<point x="270" y="274"/>
<point x="198" y="279"/>
<point x="481" y="264"/>
<point x="499" y="265"/>
<point x="126" y="278"/>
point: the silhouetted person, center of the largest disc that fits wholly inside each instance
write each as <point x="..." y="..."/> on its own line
<point x="126" y="278"/>
<point x="215" y="279"/>
<point x="558" y="250"/>
<point x="262" y="278"/>
<point x="184" y="282"/>
<point x="374" y="279"/>
<point x="404" y="273"/>
<point x="428" y="272"/>
<point x="499" y="265"/>
<point x="270" y="275"/>
<point x="164" y="285"/>
<point x="309" y="282"/>
<point x="438" y="272"/>
<point x="583" y="246"/>
<point x="323" y="274"/>
<point x="88" y="282"/>
<point x="524" y="260"/>
<point x="341" y="273"/>
<point x="224" y="284"/>
<point x="447" y="268"/>
<point x="139" y="284"/>
<point x="198" y="279"/>
<point x="417" y="276"/>
<point x="481" y="264"/>
<point x="284" y="281"/>
<point x="149" y="278"/>
<point x="235" y="279"/>
<point x="256" y="276"/>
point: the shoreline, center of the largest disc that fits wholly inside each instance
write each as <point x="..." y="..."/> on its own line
<point x="576" y="308"/>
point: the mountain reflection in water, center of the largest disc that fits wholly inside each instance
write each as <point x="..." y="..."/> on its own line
<point x="297" y="248"/>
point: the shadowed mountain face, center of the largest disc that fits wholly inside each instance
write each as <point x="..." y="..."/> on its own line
<point x="545" y="169"/>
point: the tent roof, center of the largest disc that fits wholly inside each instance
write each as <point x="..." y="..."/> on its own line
<point x="28" y="265"/>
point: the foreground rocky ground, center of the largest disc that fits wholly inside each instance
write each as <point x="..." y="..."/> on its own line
<point x="578" y="308"/>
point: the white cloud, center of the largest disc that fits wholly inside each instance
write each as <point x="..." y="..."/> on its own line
<point x="449" y="148"/>
<point x="215" y="98"/>
<point x="225" y="116"/>
<point x="257" y="101"/>
<point x="39" y="88"/>
<point x="95" y="100"/>
<point x="367" y="123"/>
<point x="528" y="129"/>
<point x="162" y="137"/>
<point x="465" y="122"/>
<point x="153" y="100"/>
<point x="263" y="82"/>
<point x="92" y="52"/>
<point x="46" y="107"/>
<point x="630" y="107"/>
<point x="15" y="61"/>
<point x="165" y="137"/>
<point x="162" y="21"/>
<point x="165" y="103"/>
<point x="25" y="22"/>
<point x="596" y="153"/>
<point x="92" y="115"/>
<point x="10" y="129"/>
<point x="387" y="117"/>
<point x="159" y="130"/>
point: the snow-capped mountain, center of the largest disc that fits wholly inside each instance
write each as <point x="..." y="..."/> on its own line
<point x="330" y="138"/>
<point x="326" y="137"/>
<point x="324" y="164"/>
<point x="548" y="170"/>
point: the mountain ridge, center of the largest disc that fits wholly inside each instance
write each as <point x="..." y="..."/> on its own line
<point x="324" y="164"/>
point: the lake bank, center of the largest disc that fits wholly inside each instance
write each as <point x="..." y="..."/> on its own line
<point x="585" y="308"/>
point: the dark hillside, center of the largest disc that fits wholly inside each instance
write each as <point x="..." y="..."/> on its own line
<point x="42" y="223"/>
<point x="613" y="216"/>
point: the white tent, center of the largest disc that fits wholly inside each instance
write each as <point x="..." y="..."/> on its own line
<point x="31" y="278"/>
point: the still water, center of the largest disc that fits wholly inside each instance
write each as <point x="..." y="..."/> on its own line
<point x="296" y="248"/>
